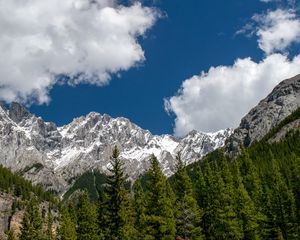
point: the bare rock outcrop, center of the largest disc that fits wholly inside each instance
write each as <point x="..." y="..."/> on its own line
<point x="280" y="103"/>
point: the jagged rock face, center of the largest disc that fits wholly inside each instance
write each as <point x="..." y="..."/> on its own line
<point x="280" y="103"/>
<point x="53" y="156"/>
<point x="17" y="112"/>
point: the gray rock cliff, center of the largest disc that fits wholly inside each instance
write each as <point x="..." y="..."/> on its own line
<point x="280" y="103"/>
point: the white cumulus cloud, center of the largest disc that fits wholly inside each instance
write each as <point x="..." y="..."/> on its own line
<point x="86" y="40"/>
<point x="277" y="30"/>
<point x="221" y="97"/>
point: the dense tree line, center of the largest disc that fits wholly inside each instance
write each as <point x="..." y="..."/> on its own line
<point x="255" y="196"/>
<point x="19" y="187"/>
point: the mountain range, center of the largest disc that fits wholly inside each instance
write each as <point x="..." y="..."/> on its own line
<point x="55" y="156"/>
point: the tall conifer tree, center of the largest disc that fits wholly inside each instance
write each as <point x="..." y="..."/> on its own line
<point x="220" y="218"/>
<point x="160" y="221"/>
<point x="67" y="230"/>
<point x="32" y="222"/>
<point x="283" y="204"/>
<point x="188" y="214"/>
<point x="140" y="209"/>
<point x="116" y="198"/>
<point x="87" y="219"/>
<point x="245" y="207"/>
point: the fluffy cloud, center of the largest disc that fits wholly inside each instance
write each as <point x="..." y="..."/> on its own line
<point x="277" y="30"/>
<point x="221" y="97"/>
<point x="86" y="40"/>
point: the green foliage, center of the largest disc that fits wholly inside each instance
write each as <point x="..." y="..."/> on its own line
<point x="67" y="230"/>
<point x="32" y="222"/>
<point x="188" y="214"/>
<point x="219" y="211"/>
<point x="22" y="190"/>
<point x="19" y="187"/>
<point x="256" y="195"/>
<point x="87" y="224"/>
<point x="115" y="194"/>
<point x="160" y="221"/>
<point x="140" y="209"/>
<point x="249" y="215"/>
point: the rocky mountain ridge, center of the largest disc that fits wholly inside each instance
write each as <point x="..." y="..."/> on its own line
<point x="54" y="156"/>
<point x="280" y="103"/>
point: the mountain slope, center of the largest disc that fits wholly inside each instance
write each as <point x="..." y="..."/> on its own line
<point x="15" y="191"/>
<point x="54" y="156"/>
<point x="280" y="103"/>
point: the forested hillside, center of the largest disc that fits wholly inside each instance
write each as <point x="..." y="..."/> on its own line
<point x="24" y="207"/>
<point x="19" y="187"/>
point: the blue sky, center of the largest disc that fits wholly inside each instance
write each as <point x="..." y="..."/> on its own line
<point x="188" y="37"/>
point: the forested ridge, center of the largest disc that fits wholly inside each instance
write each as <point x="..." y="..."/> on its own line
<point x="255" y="196"/>
<point x="21" y="188"/>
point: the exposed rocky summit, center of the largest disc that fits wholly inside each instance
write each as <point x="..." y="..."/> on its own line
<point x="280" y="103"/>
<point x="54" y="156"/>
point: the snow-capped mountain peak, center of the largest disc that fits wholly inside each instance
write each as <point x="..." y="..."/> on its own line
<point x="63" y="153"/>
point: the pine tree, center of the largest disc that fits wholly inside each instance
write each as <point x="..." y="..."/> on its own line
<point x="129" y="231"/>
<point x="71" y="208"/>
<point x="140" y="209"/>
<point x="87" y="219"/>
<point x="220" y="218"/>
<point x="283" y="204"/>
<point x="160" y="222"/>
<point x="200" y="188"/>
<point x="251" y="179"/>
<point x="103" y="214"/>
<point x="116" y="197"/>
<point x="32" y="222"/>
<point x="245" y="208"/>
<point x="270" y="228"/>
<point x="67" y="230"/>
<point x="188" y="214"/>
<point x="294" y="179"/>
